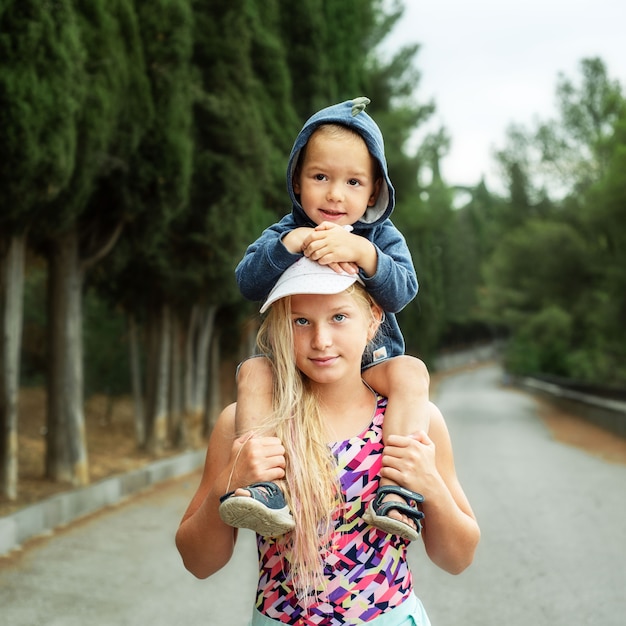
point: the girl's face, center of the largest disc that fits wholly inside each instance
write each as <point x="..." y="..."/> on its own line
<point x="336" y="179"/>
<point x="330" y="335"/>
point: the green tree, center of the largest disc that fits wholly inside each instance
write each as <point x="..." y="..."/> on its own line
<point x="421" y="210"/>
<point x="542" y="344"/>
<point x="566" y="154"/>
<point x="539" y="267"/>
<point x="526" y="274"/>
<point x="565" y="178"/>
<point x="140" y="276"/>
<point x="80" y="227"/>
<point x="604" y="222"/>
<point x="243" y="129"/>
<point x="302" y="30"/>
<point x="272" y="92"/>
<point x="575" y="148"/>
<point x="40" y="76"/>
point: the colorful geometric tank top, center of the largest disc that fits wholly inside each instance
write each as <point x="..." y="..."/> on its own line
<point x="366" y="573"/>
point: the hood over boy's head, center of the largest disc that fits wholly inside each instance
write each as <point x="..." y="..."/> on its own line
<point x="351" y="114"/>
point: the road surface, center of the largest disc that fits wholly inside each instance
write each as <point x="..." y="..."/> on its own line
<point x="553" y="548"/>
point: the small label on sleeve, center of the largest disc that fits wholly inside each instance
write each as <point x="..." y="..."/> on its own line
<point x="379" y="354"/>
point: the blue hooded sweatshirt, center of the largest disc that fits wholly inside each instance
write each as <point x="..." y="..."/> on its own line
<point x="393" y="285"/>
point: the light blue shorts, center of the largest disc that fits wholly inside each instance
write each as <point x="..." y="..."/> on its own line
<point x="409" y="613"/>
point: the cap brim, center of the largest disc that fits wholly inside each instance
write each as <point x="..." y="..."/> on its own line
<point x="327" y="283"/>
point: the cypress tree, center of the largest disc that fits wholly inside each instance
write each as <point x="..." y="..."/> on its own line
<point x="232" y="172"/>
<point x="303" y="33"/>
<point x="40" y="88"/>
<point x="76" y="231"/>
<point x="272" y="93"/>
<point x="233" y="175"/>
<point x="142" y="273"/>
<point x="40" y="84"/>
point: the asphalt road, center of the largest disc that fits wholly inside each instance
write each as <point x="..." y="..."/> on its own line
<point x="553" y="549"/>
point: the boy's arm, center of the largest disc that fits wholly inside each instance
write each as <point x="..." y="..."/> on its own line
<point x="383" y="258"/>
<point x="266" y="259"/>
<point x="394" y="284"/>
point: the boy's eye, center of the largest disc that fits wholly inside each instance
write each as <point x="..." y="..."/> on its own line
<point x="319" y="177"/>
<point x="353" y="182"/>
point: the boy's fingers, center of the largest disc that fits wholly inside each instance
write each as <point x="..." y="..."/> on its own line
<point x="348" y="267"/>
<point x="325" y="226"/>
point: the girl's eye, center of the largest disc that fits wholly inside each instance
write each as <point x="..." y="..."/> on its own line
<point x="300" y="321"/>
<point x="353" y="182"/>
<point x="339" y="317"/>
<point x="319" y="177"/>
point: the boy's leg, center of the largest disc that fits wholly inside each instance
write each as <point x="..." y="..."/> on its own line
<point x="404" y="380"/>
<point x="260" y="507"/>
<point x="254" y="393"/>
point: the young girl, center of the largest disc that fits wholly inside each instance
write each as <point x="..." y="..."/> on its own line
<point x="326" y="443"/>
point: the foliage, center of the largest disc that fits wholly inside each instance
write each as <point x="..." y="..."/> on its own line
<point x="153" y="190"/>
<point x="542" y="343"/>
<point x="235" y="164"/>
<point x="41" y="86"/>
<point x="114" y="110"/>
<point x="106" y="348"/>
<point x="525" y="274"/>
<point x="562" y="234"/>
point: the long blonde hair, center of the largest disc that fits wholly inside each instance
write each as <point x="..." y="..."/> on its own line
<point x="313" y="489"/>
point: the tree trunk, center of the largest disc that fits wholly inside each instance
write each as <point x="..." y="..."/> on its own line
<point x="11" y="305"/>
<point x="66" y="450"/>
<point x="207" y="322"/>
<point x="178" y="425"/>
<point x="247" y="343"/>
<point x="214" y="399"/>
<point x="160" y="384"/>
<point x="135" y="372"/>
<point x="190" y="360"/>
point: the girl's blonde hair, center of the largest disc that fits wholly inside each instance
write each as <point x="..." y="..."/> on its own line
<point x="313" y="490"/>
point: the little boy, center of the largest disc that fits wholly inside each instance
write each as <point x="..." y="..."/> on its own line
<point x="342" y="198"/>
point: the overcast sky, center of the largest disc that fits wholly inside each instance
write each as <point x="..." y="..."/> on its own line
<point x="487" y="63"/>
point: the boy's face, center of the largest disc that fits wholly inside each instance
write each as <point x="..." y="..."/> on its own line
<point x="336" y="180"/>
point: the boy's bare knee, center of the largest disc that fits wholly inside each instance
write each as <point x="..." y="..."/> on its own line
<point x="254" y="370"/>
<point x="408" y="368"/>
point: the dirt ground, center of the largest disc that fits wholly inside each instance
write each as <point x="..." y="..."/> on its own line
<point x="576" y="431"/>
<point x="110" y="443"/>
<point x="112" y="449"/>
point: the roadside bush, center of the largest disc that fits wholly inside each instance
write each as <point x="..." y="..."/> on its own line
<point x="542" y="344"/>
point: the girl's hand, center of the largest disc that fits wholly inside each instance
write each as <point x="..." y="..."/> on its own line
<point x="410" y="462"/>
<point x="255" y="459"/>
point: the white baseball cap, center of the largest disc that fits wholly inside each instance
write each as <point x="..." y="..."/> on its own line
<point x="309" y="277"/>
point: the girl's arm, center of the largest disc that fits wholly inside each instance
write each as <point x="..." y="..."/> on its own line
<point x="204" y="541"/>
<point x="425" y="463"/>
